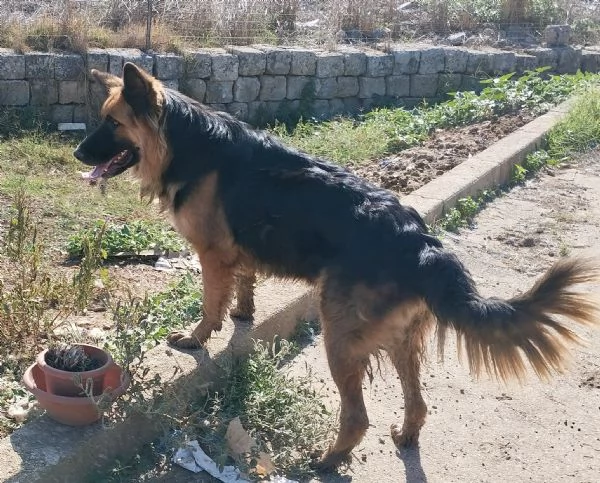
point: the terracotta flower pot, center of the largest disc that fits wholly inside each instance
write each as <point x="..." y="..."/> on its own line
<point x="74" y="411"/>
<point x="64" y="383"/>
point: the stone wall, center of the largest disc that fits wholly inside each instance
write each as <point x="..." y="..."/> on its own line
<point x="260" y="83"/>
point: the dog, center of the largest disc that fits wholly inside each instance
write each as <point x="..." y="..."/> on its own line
<point x="249" y="204"/>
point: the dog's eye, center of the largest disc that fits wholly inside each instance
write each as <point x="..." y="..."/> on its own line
<point x="113" y="122"/>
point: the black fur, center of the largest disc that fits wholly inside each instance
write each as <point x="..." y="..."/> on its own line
<point x="296" y="214"/>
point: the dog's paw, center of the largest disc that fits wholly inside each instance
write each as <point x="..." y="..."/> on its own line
<point x="331" y="460"/>
<point x="241" y="314"/>
<point x="183" y="340"/>
<point x="404" y="439"/>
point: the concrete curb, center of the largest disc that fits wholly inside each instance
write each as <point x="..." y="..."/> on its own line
<point x="49" y="452"/>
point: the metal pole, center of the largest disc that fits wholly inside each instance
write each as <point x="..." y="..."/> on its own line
<point x="149" y="26"/>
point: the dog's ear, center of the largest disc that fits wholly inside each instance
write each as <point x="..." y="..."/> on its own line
<point x="139" y="89"/>
<point x="107" y="80"/>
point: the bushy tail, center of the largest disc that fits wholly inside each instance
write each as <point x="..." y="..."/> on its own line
<point x="500" y="335"/>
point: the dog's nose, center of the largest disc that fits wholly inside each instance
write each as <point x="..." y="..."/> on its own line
<point x="79" y="154"/>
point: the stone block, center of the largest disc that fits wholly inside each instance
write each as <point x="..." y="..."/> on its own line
<point x="347" y="86"/>
<point x="279" y="61"/>
<point x="590" y="61"/>
<point x="448" y="83"/>
<point x="239" y="110"/>
<point x="194" y="88"/>
<point x="355" y="63"/>
<point x="272" y="88"/>
<point x="69" y="67"/>
<point x="557" y="35"/>
<point x="319" y="109"/>
<point x="432" y="61"/>
<point x="80" y="113"/>
<point x="198" y="64"/>
<point x="545" y="57"/>
<point x="14" y="92"/>
<point x="330" y="64"/>
<point x="246" y="89"/>
<point x="219" y="92"/>
<point x="303" y="62"/>
<point x="250" y="61"/>
<point x="143" y="61"/>
<point x="39" y="65"/>
<point x="503" y="63"/>
<point x="525" y="62"/>
<point x="479" y="63"/>
<point x="336" y="107"/>
<point x="300" y="87"/>
<point x="168" y="66"/>
<point x="96" y="59"/>
<point x="43" y="92"/>
<point x="423" y="85"/>
<point x="397" y="85"/>
<point x="71" y="92"/>
<point x="456" y="60"/>
<point x="224" y="67"/>
<point x="352" y="105"/>
<point x="171" y="84"/>
<point x="406" y="61"/>
<point x="569" y="60"/>
<point x="12" y="65"/>
<point x="371" y="86"/>
<point x="379" y="64"/>
<point x="62" y="113"/>
<point x="326" y="87"/>
<point x="471" y="83"/>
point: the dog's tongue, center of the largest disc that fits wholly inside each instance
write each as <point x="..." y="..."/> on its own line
<point x="93" y="175"/>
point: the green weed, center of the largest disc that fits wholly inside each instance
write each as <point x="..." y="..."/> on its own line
<point x="132" y="238"/>
<point x="284" y="414"/>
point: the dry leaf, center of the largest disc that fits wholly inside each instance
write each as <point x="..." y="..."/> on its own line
<point x="241" y="444"/>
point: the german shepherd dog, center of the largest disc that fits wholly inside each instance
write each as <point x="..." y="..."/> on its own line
<point x="249" y="204"/>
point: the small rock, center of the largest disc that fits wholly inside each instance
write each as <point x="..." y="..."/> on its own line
<point x="162" y="264"/>
<point x="457" y="39"/>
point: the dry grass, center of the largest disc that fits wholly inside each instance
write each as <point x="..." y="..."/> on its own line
<point x="75" y="25"/>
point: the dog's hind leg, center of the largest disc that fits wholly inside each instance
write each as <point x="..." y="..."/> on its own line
<point x="348" y="357"/>
<point x="244" y="308"/>
<point x="406" y="353"/>
<point x="218" y="279"/>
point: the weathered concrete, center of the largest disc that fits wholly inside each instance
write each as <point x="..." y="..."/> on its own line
<point x="484" y="170"/>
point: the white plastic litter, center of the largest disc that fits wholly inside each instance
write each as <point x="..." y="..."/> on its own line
<point x="193" y="458"/>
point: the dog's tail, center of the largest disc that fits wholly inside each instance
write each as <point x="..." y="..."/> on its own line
<point x="499" y="335"/>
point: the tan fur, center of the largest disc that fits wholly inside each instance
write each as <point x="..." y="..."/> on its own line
<point x="145" y="132"/>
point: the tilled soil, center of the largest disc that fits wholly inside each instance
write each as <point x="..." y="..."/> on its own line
<point x="446" y="148"/>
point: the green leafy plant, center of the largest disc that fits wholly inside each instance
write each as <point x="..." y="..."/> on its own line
<point x="129" y="238"/>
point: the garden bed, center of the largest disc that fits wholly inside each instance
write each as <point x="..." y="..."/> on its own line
<point x="410" y="169"/>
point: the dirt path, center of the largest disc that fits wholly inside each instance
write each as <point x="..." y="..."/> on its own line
<point x="483" y="431"/>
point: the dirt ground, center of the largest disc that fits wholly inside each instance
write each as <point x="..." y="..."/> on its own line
<point x="446" y="148"/>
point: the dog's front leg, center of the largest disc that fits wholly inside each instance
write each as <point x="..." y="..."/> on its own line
<point x="218" y="279"/>
<point x="244" y="309"/>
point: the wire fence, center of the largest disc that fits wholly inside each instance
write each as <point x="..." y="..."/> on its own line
<point x="175" y="24"/>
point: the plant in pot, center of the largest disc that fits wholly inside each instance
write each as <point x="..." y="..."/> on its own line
<point x="71" y="380"/>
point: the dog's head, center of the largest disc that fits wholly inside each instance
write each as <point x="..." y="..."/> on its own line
<point x="128" y="134"/>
